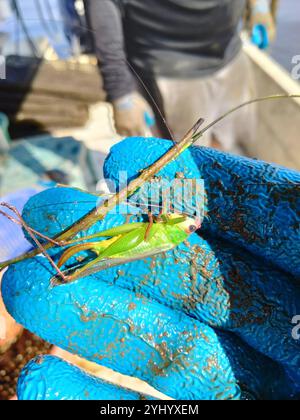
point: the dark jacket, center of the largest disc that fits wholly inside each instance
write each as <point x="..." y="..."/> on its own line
<point x="172" y="38"/>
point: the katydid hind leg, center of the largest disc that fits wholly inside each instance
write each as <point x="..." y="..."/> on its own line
<point x="71" y="252"/>
<point x="111" y="246"/>
<point x="121" y="245"/>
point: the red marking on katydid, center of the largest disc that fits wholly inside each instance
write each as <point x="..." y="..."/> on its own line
<point x="149" y="227"/>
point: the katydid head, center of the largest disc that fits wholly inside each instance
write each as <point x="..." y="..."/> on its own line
<point x="185" y="223"/>
<point x="190" y="225"/>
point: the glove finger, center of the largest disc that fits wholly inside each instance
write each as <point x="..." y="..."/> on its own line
<point x="51" y="378"/>
<point x="251" y="203"/>
<point x="210" y="280"/>
<point x="136" y="336"/>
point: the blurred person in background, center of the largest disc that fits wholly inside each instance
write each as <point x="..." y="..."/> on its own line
<point x="189" y="55"/>
<point x="5" y="12"/>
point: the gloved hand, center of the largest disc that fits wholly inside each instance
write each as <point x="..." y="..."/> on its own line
<point x="210" y="320"/>
<point x="129" y="115"/>
<point x="260" y="14"/>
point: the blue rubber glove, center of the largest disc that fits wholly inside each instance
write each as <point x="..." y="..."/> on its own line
<point x="209" y="320"/>
<point x="260" y="37"/>
<point x="262" y="23"/>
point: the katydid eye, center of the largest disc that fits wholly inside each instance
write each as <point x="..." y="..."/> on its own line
<point x="192" y="228"/>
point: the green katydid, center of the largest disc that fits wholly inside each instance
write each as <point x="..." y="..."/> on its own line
<point x="127" y="242"/>
<point x="131" y="241"/>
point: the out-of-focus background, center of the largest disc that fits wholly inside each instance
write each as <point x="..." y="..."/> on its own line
<point x="57" y="127"/>
<point x="39" y="44"/>
<point x="286" y="44"/>
<point x="51" y="84"/>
